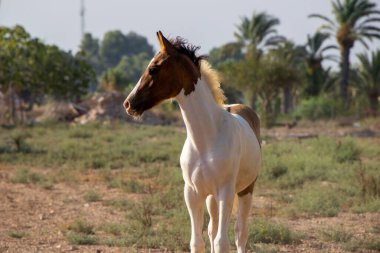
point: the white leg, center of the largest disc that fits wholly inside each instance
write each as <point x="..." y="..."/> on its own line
<point x="195" y="204"/>
<point x="225" y="200"/>
<point x="212" y="208"/>
<point x="241" y="226"/>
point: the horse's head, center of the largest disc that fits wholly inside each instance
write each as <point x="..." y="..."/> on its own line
<point x="175" y="67"/>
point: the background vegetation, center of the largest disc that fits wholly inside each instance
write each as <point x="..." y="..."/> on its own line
<point x="262" y="68"/>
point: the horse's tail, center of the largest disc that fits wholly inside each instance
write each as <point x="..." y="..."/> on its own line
<point x="249" y="115"/>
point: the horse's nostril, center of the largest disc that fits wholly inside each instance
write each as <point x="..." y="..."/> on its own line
<point x="126" y="104"/>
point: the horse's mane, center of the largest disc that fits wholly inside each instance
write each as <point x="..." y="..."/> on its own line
<point x="213" y="80"/>
<point x="211" y="76"/>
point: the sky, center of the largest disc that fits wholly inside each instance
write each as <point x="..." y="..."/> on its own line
<point x="207" y="23"/>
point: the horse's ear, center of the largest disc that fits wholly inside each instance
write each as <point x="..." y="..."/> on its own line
<point x="165" y="44"/>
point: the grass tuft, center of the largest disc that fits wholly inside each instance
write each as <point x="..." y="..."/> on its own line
<point x="80" y="226"/>
<point x="17" y="234"/>
<point x="92" y="196"/>
<point x="336" y="234"/>
<point x="266" y="231"/>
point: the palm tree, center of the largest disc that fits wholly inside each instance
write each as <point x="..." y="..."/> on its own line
<point x="354" y="21"/>
<point x="292" y="56"/>
<point x="369" y="78"/>
<point x="258" y="31"/>
<point x="315" y="54"/>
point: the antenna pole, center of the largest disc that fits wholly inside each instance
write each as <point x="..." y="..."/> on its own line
<point x="82" y="13"/>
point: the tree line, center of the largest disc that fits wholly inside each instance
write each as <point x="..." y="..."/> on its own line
<point x="272" y="73"/>
<point x="275" y="73"/>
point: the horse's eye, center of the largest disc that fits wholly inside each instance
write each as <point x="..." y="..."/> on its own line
<point x="153" y="71"/>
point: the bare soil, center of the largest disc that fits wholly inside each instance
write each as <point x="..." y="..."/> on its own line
<point x="45" y="214"/>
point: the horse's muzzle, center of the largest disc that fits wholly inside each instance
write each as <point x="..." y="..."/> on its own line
<point x="129" y="109"/>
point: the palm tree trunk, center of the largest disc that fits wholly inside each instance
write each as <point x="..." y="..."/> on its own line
<point x="288" y="100"/>
<point x="345" y="71"/>
<point x="373" y="102"/>
<point x="253" y="101"/>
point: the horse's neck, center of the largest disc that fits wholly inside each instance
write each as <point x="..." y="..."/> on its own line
<point x="201" y="115"/>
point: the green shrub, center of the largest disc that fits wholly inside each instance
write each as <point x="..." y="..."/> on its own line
<point x="131" y="186"/>
<point x="17" y="234"/>
<point x="25" y="176"/>
<point x="317" y="200"/>
<point x="371" y="205"/>
<point x="80" y="226"/>
<point x="92" y="196"/>
<point x="265" y="231"/>
<point x="316" y="108"/>
<point x="336" y="234"/>
<point x="347" y="151"/>
<point x="115" y="228"/>
<point x="81" y="239"/>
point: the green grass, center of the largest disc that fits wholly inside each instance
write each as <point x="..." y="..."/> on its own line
<point x="81" y="226"/>
<point x="266" y="231"/>
<point x="26" y="176"/>
<point x="81" y="239"/>
<point x="318" y="200"/>
<point x="313" y="177"/>
<point x="92" y="196"/>
<point x="17" y="234"/>
<point x="336" y="234"/>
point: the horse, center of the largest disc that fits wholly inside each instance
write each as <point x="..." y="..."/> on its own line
<point x="221" y="156"/>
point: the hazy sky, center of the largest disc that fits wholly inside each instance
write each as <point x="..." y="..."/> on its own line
<point x="208" y="23"/>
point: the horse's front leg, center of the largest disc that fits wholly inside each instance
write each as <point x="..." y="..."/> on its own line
<point x="195" y="205"/>
<point x="225" y="201"/>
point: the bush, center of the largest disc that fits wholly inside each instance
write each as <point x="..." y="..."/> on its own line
<point x="92" y="196"/>
<point x="265" y="231"/>
<point x="347" y="151"/>
<point x="316" y="108"/>
<point x="336" y="234"/>
<point x="318" y="200"/>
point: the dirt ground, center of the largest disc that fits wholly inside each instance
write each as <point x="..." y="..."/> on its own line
<point x="45" y="214"/>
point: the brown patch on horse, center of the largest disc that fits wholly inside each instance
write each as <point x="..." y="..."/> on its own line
<point x="249" y="115"/>
<point x="247" y="190"/>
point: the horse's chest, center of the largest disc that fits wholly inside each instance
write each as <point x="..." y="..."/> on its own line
<point x="203" y="172"/>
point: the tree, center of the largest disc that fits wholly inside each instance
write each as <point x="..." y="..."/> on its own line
<point x="355" y="20"/>
<point x="369" y="78"/>
<point x="259" y="31"/>
<point x="89" y="51"/>
<point x="27" y="66"/>
<point x="228" y="52"/>
<point x="115" y="45"/>
<point x="263" y="75"/>
<point x="126" y="73"/>
<point x="315" y="55"/>
<point x="292" y="56"/>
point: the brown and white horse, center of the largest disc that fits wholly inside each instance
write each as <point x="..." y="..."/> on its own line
<point x="221" y="156"/>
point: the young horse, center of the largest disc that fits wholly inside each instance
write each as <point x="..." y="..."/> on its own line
<point x="221" y="155"/>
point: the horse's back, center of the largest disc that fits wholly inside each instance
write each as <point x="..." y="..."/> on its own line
<point x="248" y="114"/>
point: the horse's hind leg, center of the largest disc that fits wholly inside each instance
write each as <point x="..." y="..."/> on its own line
<point x="241" y="224"/>
<point x="195" y="205"/>
<point x="212" y="208"/>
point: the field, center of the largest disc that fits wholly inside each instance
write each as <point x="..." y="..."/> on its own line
<point x="118" y="188"/>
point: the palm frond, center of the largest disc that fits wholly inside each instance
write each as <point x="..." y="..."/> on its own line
<point x="363" y="42"/>
<point x="329" y="48"/>
<point x="323" y="18"/>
